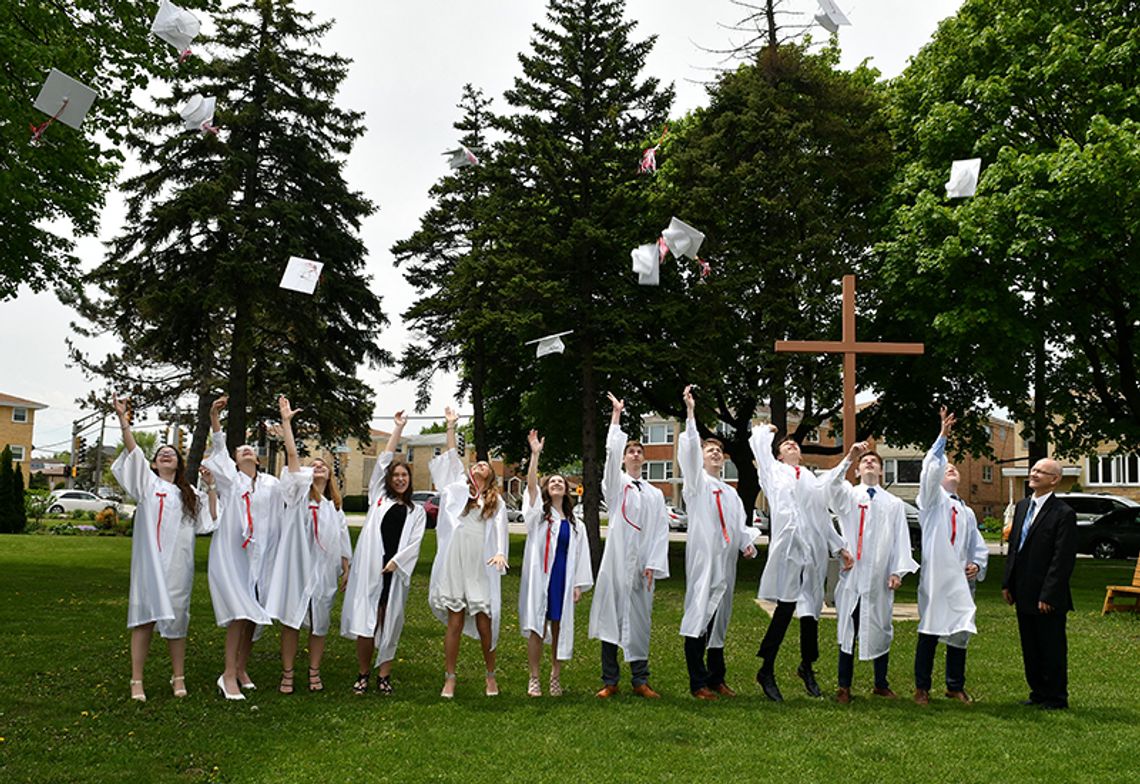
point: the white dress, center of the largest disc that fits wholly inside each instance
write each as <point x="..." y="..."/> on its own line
<point x="534" y="583"/>
<point x="162" y="547"/>
<point x="461" y="578"/>
<point x="366" y="580"/>
<point x="314" y="539"/>
<point x="247" y="513"/>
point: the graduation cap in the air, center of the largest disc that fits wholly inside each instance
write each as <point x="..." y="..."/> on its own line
<point x="198" y="114"/>
<point x="551" y="344"/>
<point x="461" y="158"/>
<point x="301" y="275"/>
<point x="682" y="239"/>
<point x="177" y="26"/>
<point x="65" y="99"/>
<point x="963" y="180"/>
<point x="830" y="17"/>
<point x="647" y="264"/>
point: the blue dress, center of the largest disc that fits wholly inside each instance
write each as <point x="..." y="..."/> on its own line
<point x="556" y="588"/>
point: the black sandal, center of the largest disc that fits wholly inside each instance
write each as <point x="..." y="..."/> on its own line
<point x="286" y="685"/>
<point x="361" y="684"/>
<point x="315" y="682"/>
<point x="384" y="684"/>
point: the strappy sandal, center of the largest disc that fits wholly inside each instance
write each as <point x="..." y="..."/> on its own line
<point x="315" y="682"/>
<point x="384" y="684"/>
<point x="489" y="690"/>
<point x="179" y="691"/>
<point x="361" y="684"/>
<point x="448" y="679"/>
<point x="141" y="696"/>
<point x="286" y="685"/>
<point x="555" y="686"/>
<point x="534" y="687"/>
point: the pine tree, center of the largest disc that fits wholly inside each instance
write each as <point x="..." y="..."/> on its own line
<point x="19" y="519"/>
<point x="7" y="494"/>
<point x="191" y="285"/>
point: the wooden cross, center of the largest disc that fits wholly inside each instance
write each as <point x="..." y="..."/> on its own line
<point x="849" y="347"/>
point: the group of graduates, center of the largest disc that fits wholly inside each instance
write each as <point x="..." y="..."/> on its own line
<point x="281" y="550"/>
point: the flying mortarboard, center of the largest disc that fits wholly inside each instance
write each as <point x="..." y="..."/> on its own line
<point x="301" y="275"/>
<point x="551" y="344"/>
<point x="682" y="239"/>
<point x="64" y="99"/>
<point x="198" y="114"/>
<point x="461" y="158"/>
<point x="177" y="26"/>
<point x="963" y="180"/>
<point x="831" y="18"/>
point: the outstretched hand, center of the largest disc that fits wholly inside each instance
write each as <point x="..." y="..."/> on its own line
<point x="450" y="416"/>
<point x="948" y="420"/>
<point x="120" y="404"/>
<point x="536" y="443"/>
<point x="219" y="404"/>
<point x="857" y="450"/>
<point x="618" y="407"/>
<point x="287" y="411"/>
<point x="400" y="418"/>
<point x="687" y="396"/>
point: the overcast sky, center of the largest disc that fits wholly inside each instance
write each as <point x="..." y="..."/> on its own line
<point x="410" y="61"/>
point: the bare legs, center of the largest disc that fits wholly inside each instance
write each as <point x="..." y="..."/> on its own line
<point x="140" y="647"/>
<point x="236" y="634"/>
<point x="455" y="622"/>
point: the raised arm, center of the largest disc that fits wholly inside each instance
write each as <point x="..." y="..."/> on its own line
<point x="689" y="446"/>
<point x="400" y="419"/>
<point x="287" y="414"/>
<point x="934" y="465"/>
<point x="384" y="460"/>
<point x="536" y="445"/>
<point x="838" y="491"/>
<point x="615" y="448"/>
<point x="761" y="443"/>
<point x="451" y="418"/>
<point x="120" y="405"/>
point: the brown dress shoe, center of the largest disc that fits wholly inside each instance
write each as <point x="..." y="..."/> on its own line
<point x="705" y="694"/>
<point x="960" y="696"/>
<point x="643" y="690"/>
<point x="724" y="690"/>
<point x="607" y="691"/>
<point x="921" y="697"/>
<point x="890" y="695"/>
<point x="843" y="696"/>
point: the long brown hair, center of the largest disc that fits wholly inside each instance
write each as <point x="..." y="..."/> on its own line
<point x="568" y="499"/>
<point x="189" y="497"/>
<point x="332" y="492"/>
<point x="405" y="497"/>
<point x="489" y="494"/>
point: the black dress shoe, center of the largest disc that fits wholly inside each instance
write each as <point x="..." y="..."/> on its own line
<point x="1030" y="703"/>
<point x="767" y="682"/>
<point x="808" y="677"/>
<point x="1051" y="706"/>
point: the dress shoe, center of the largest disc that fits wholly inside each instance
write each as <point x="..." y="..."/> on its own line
<point x="705" y="694"/>
<point x="921" y="697"/>
<point x="644" y="690"/>
<point x="1052" y="706"/>
<point x="960" y="695"/>
<point x="843" y="696"/>
<point x="890" y="695"/>
<point x="607" y="691"/>
<point x="222" y="688"/>
<point x="807" y="675"/>
<point x="767" y="682"/>
<point x="724" y="690"/>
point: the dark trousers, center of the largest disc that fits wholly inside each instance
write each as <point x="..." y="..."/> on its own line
<point x="611" y="673"/>
<point x="924" y="664"/>
<point x="1044" y="653"/>
<point x="704" y="673"/>
<point x="847" y="663"/>
<point x="774" y="637"/>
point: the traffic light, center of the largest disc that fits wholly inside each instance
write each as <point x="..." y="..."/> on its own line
<point x="80" y="450"/>
<point x="336" y="465"/>
<point x="180" y="438"/>
<point x="461" y="443"/>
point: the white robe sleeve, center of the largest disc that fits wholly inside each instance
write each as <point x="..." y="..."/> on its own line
<point x="532" y="512"/>
<point x="930" y="480"/>
<point x="745" y="535"/>
<point x="583" y="569"/>
<point x="902" y="563"/>
<point x="132" y="471"/>
<point x="761" y="443"/>
<point x="376" y="482"/>
<point x="295" y="485"/>
<point x="690" y="459"/>
<point x="611" y="476"/>
<point x="657" y="556"/>
<point x="344" y="540"/>
<point x="446" y="469"/>
<point x="978" y="552"/>
<point x="407" y="555"/>
<point x="223" y="468"/>
<point x="840" y="494"/>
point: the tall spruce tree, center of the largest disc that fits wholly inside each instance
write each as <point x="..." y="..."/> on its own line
<point x="191" y="285"/>
<point x="7" y="494"/>
<point x="19" y="521"/>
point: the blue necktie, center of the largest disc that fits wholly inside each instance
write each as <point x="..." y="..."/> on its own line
<point x="871" y="493"/>
<point x="1026" y="522"/>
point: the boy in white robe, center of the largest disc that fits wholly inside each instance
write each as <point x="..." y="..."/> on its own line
<point x="635" y="557"/>
<point x="954" y="557"/>
<point x="717" y="533"/>
<point x="875" y="529"/>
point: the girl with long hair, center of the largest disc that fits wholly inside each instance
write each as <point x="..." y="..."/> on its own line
<point x="170" y="512"/>
<point x="314" y="549"/>
<point x="556" y="570"/>
<point x="470" y="558"/>
<point x="386" y="554"/>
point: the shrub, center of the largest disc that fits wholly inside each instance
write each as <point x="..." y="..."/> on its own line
<point x="355" y="503"/>
<point x="107" y="519"/>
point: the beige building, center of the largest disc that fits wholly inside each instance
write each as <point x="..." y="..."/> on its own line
<point x="17" y="421"/>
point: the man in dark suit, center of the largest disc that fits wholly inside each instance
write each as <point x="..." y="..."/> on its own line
<point x="1042" y="553"/>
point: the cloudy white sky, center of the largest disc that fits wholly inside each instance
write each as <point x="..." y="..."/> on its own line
<point x="410" y="61"/>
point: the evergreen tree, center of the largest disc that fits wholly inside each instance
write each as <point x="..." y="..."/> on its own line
<point x="7" y="493"/>
<point x="19" y="519"/>
<point x="191" y="286"/>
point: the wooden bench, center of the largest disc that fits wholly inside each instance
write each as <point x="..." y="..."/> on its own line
<point x="1127" y="593"/>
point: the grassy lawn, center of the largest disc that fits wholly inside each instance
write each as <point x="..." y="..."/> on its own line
<point x="65" y="715"/>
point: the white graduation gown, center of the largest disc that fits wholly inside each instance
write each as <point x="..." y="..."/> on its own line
<point x="534" y="581"/>
<point x="304" y="582"/>
<point x="246" y="514"/>
<point x="802" y="535"/>
<point x="882" y="550"/>
<point x="162" y="546"/>
<point x="366" y="580"/>
<point x="711" y="545"/>
<point x="638" y="539"/>
<point x="448" y="476"/>
<point x="950" y="540"/>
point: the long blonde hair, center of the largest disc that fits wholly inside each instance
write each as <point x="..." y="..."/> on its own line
<point x="332" y="492"/>
<point x="489" y="494"/>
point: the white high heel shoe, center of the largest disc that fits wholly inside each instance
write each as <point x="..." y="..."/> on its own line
<point x="141" y="696"/>
<point x="226" y="694"/>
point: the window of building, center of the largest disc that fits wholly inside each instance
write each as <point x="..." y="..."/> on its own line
<point x="17" y="452"/>
<point x="437" y="451"/>
<point x="657" y="470"/>
<point x="728" y="472"/>
<point x="901" y="471"/>
<point x="987" y="473"/>
<point x="658" y="433"/>
<point x="19" y="414"/>
<point x="812" y="436"/>
<point x="1114" y="469"/>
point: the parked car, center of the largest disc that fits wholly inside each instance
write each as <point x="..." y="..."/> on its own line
<point x="515" y="516"/>
<point x="1114" y="535"/>
<point x="430" y="503"/>
<point x="678" y="519"/>
<point x="1090" y="506"/>
<point x="760" y="520"/>
<point x="65" y="501"/>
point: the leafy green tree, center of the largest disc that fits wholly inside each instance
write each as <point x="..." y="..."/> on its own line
<point x="190" y="287"/>
<point x="1025" y="293"/>
<point x="52" y="191"/>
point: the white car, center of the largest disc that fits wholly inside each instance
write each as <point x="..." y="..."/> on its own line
<point x="678" y="519"/>
<point x="65" y="501"/>
<point x="1090" y="506"/>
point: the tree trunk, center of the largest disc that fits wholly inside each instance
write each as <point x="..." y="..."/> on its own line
<point x="198" y="435"/>
<point x="591" y="472"/>
<point x="478" y="380"/>
<point x="237" y="387"/>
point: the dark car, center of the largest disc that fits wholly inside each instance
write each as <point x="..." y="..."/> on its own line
<point x="430" y="503"/>
<point x="1114" y="535"/>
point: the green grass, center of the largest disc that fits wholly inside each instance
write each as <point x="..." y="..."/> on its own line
<point x="65" y="716"/>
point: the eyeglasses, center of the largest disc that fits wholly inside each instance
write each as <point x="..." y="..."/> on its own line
<point x="1047" y="473"/>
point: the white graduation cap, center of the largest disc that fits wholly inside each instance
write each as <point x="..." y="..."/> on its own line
<point x="645" y="258"/>
<point x="963" y="180"/>
<point x="198" y="113"/>
<point x="461" y="158"/>
<point x="64" y="99"/>
<point x="682" y="239"/>
<point x="177" y="26"/>
<point x="551" y="344"/>
<point x="831" y="18"/>
<point x="301" y="275"/>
